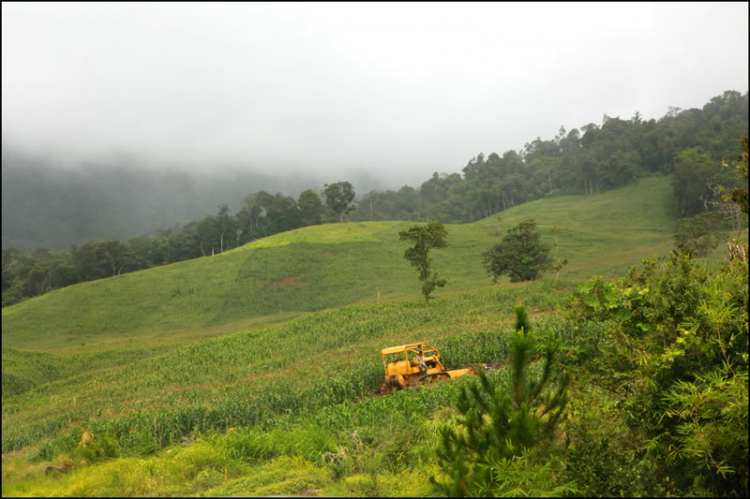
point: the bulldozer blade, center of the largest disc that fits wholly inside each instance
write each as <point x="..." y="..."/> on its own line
<point x="456" y="373"/>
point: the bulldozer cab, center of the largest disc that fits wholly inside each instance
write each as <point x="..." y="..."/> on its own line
<point x="403" y="359"/>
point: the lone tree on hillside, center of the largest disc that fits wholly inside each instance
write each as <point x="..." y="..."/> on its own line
<point x="425" y="238"/>
<point x="520" y="254"/>
<point x="559" y="262"/>
<point x="340" y="198"/>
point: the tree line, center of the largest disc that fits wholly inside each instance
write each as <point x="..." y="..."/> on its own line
<point x="689" y="145"/>
<point x="32" y="273"/>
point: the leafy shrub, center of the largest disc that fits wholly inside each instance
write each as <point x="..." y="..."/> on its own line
<point x="604" y="455"/>
<point x="698" y="234"/>
<point x="676" y="341"/>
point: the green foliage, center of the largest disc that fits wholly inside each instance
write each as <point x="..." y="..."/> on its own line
<point x="740" y="194"/>
<point x="340" y="198"/>
<point x="603" y="454"/>
<point x="304" y="387"/>
<point x="499" y="429"/>
<point x="521" y="255"/>
<point x="617" y="153"/>
<point x="638" y="227"/>
<point x="31" y="273"/>
<point x="588" y="160"/>
<point x="524" y="476"/>
<point x="280" y="476"/>
<point x="327" y="265"/>
<point x="677" y="341"/>
<point x="12" y="296"/>
<point x="223" y="383"/>
<point x="311" y="208"/>
<point x="100" y="449"/>
<point x="232" y="372"/>
<point x="34" y="273"/>
<point x="44" y="206"/>
<point x="699" y="234"/>
<point x="693" y="170"/>
<point x="425" y="238"/>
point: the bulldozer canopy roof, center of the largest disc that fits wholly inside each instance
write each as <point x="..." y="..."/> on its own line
<point x="403" y="348"/>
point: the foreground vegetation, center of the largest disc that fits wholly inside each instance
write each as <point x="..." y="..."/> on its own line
<point x="247" y="378"/>
<point x="302" y="369"/>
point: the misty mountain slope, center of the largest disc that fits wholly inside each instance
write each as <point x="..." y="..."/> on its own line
<point x="47" y="206"/>
<point x="330" y="265"/>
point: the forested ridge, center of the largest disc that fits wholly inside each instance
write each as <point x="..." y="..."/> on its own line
<point x="689" y="145"/>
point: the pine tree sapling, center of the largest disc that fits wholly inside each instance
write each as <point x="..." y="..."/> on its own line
<point x="499" y="426"/>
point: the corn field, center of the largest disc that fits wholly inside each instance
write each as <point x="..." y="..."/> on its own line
<point x="310" y="365"/>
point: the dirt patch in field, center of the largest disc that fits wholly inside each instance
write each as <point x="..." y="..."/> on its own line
<point x="287" y="281"/>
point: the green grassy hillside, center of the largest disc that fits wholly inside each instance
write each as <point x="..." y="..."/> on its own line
<point x="326" y="266"/>
<point x="280" y="390"/>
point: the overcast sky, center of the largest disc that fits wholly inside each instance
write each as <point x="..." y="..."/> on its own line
<point x="403" y="89"/>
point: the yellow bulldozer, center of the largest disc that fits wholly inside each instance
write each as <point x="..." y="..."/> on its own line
<point x="402" y="368"/>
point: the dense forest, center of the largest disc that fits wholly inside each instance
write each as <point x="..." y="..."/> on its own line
<point x="689" y="145"/>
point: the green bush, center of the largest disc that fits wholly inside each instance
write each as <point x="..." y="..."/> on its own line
<point x="674" y="343"/>
<point x="603" y="454"/>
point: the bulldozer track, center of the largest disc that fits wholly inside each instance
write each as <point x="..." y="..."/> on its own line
<point x="414" y="382"/>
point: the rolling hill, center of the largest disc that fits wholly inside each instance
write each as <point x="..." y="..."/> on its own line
<point x="325" y="266"/>
<point x="269" y="353"/>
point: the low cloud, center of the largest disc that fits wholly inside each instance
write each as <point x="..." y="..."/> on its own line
<point x="396" y="91"/>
